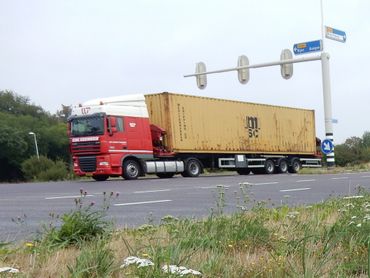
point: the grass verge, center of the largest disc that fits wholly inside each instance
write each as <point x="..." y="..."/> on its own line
<point x="330" y="239"/>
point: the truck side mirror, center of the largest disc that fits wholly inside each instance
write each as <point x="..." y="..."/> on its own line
<point x="112" y="128"/>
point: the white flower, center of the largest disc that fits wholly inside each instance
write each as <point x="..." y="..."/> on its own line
<point x="292" y="214"/>
<point x="8" y="270"/>
<point x="358" y="225"/>
<point x="367" y="217"/>
<point x="350" y="223"/>
<point x="350" y="205"/>
<point x="180" y="270"/>
<point x="135" y="260"/>
<point x="353" y="217"/>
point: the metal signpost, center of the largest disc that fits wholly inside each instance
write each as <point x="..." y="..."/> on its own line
<point x="286" y="64"/>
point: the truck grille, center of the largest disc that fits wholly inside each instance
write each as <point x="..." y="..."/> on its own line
<point x="85" y="147"/>
<point x="87" y="163"/>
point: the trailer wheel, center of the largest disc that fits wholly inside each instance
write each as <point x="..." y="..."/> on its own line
<point x="282" y="165"/>
<point x="269" y="166"/>
<point x="165" y="175"/>
<point x="295" y="167"/>
<point x="243" y="171"/>
<point x="131" y="169"/>
<point x="193" y="168"/>
<point x="100" y="177"/>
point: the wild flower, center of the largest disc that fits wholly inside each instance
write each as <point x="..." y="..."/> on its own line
<point x="7" y="269"/>
<point x="169" y="218"/>
<point x="137" y="261"/>
<point x="367" y="217"/>
<point x="29" y="244"/>
<point x="145" y="227"/>
<point x="180" y="270"/>
<point x="292" y="214"/>
<point x="359" y="225"/>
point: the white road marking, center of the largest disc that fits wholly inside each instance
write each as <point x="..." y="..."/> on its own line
<point x="67" y="197"/>
<point x="295" y="189"/>
<point x="265" y="183"/>
<point x="305" y="180"/>
<point x="341" y="178"/>
<point x="152" y="191"/>
<point x="213" y="187"/>
<point x="142" y="203"/>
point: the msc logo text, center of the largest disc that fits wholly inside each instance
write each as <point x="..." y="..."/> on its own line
<point x="252" y="127"/>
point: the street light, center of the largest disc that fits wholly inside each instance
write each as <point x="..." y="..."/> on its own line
<point x="37" y="149"/>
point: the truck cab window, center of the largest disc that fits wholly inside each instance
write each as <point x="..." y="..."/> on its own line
<point x="85" y="126"/>
<point x="119" y="124"/>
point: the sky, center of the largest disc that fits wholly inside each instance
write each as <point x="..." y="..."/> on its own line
<point x="67" y="52"/>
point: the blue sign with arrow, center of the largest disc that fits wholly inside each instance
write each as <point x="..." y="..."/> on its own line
<point x="327" y="146"/>
<point x="307" y="47"/>
<point x="335" y="34"/>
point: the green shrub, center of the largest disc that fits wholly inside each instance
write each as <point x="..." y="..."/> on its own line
<point x="44" y="169"/>
<point x="84" y="224"/>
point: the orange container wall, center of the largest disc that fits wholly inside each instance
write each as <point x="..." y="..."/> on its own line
<point x="207" y="125"/>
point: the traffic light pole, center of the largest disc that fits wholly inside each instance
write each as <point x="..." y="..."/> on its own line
<point x="330" y="159"/>
<point x="324" y="57"/>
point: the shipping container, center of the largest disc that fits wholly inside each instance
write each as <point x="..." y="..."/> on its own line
<point x="209" y="125"/>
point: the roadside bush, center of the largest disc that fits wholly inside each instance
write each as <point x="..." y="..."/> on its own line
<point x="83" y="224"/>
<point x="44" y="169"/>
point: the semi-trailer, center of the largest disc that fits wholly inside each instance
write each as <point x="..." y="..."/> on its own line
<point x="167" y="134"/>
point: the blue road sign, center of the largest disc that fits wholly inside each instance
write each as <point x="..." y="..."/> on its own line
<point x="327" y="146"/>
<point x="335" y="34"/>
<point x="307" y="47"/>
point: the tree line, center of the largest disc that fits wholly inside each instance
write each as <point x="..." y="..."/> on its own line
<point x="19" y="117"/>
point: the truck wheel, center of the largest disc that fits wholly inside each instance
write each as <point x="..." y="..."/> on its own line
<point x="193" y="168"/>
<point x="269" y="166"/>
<point x="165" y="175"/>
<point x="100" y="177"/>
<point x="295" y="167"/>
<point x="244" y="171"/>
<point x="282" y="165"/>
<point x="131" y="170"/>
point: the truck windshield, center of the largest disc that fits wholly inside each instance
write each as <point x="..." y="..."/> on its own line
<point x="87" y="126"/>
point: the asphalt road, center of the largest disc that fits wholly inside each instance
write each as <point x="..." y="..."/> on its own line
<point x="148" y="200"/>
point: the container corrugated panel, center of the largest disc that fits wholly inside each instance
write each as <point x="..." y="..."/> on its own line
<point x="208" y="125"/>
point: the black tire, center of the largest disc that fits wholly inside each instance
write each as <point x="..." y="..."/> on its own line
<point x="165" y="175"/>
<point x="269" y="166"/>
<point x="282" y="166"/>
<point x="193" y="168"/>
<point x="100" y="177"/>
<point x="295" y="166"/>
<point x="243" y="171"/>
<point x="131" y="169"/>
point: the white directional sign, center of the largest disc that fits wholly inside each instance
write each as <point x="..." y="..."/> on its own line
<point x="335" y="34"/>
